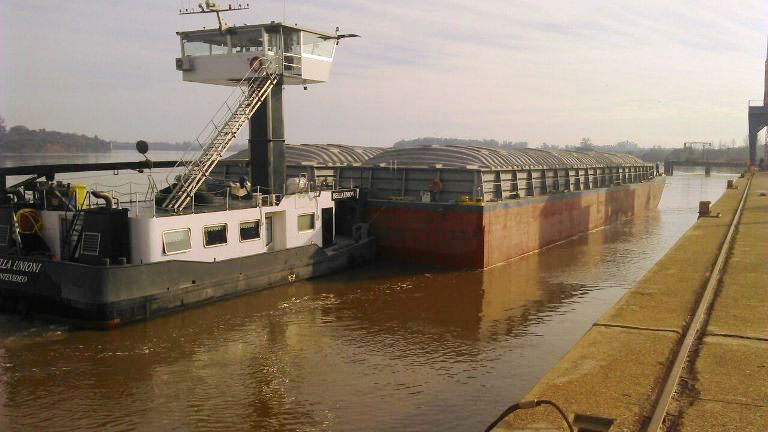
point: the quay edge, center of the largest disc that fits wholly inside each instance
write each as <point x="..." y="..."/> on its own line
<point x="617" y="369"/>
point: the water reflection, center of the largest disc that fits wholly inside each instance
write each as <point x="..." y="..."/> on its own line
<point x="380" y="348"/>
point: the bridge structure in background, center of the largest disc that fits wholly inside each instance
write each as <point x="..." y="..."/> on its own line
<point x="669" y="166"/>
<point x="758" y="117"/>
<point x="696" y="154"/>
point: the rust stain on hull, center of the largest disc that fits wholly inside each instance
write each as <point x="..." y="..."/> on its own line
<point x="462" y="236"/>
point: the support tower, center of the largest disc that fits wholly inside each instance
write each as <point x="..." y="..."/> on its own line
<point x="758" y="117"/>
<point x="257" y="60"/>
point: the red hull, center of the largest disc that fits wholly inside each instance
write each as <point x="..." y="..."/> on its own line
<point x="479" y="236"/>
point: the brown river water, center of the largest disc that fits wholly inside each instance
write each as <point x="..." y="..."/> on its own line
<point x="381" y="348"/>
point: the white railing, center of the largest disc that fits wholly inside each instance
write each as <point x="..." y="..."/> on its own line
<point x="140" y="199"/>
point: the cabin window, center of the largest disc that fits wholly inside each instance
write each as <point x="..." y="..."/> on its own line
<point x="306" y="222"/>
<point x="250" y="230"/>
<point x="176" y="241"/>
<point x="5" y="233"/>
<point x="215" y="235"/>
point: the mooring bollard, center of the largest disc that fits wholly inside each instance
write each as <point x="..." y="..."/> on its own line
<point x="704" y="208"/>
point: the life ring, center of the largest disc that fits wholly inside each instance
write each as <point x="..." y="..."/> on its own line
<point x="436" y="186"/>
<point x="30" y="221"/>
<point x="252" y="62"/>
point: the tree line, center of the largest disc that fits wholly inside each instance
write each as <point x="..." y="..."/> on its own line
<point x="20" y="139"/>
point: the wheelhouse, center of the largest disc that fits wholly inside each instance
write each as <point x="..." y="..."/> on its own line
<point x="212" y="56"/>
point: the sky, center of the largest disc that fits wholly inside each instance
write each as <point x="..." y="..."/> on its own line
<point x="653" y="72"/>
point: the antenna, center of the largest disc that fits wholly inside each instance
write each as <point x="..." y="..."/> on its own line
<point x="211" y="7"/>
<point x="339" y="37"/>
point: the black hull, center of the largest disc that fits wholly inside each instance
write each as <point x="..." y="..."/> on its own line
<point x="109" y="296"/>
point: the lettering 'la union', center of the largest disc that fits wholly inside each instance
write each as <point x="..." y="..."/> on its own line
<point x="23" y="266"/>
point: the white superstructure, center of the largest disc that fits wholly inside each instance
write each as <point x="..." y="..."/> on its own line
<point x="208" y="236"/>
<point x="296" y="221"/>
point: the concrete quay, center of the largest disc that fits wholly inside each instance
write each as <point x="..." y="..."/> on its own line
<point x="619" y="367"/>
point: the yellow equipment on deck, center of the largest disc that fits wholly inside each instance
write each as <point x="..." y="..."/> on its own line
<point x="79" y="193"/>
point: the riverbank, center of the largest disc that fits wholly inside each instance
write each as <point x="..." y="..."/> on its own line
<point x="616" y="371"/>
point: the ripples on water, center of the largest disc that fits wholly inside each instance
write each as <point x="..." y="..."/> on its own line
<point x="385" y="348"/>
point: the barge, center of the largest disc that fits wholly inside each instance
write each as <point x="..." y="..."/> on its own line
<point x="473" y="207"/>
<point x="102" y="258"/>
<point x="467" y="207"/>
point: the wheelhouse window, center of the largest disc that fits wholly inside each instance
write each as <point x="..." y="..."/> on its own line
<point x="250" y="230"/>
<point x="205" y="44"/>
<point x="306" y="222"/>
<point x="292" y="41"/>
<point x="215" y="235"/>
<point x="314" y="45"/>
<point x="248" y="41"/>
<point x="176" y="241"/>
<point x="292" y="51"/>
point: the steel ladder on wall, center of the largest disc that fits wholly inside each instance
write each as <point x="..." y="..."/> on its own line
<point x="250" y="93"/>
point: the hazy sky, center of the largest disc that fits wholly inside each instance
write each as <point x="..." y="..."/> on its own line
<point x="655" y="72"/>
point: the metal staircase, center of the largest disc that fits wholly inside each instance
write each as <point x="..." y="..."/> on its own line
<point x="74" y="233"/>
<point x="219" y="133"/>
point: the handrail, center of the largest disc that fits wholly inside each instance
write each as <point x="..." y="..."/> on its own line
<point x="221" y="131"/>
<point x="253" y="73"/>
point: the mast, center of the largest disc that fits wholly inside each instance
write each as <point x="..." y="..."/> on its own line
<point x="267" y="57"/>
